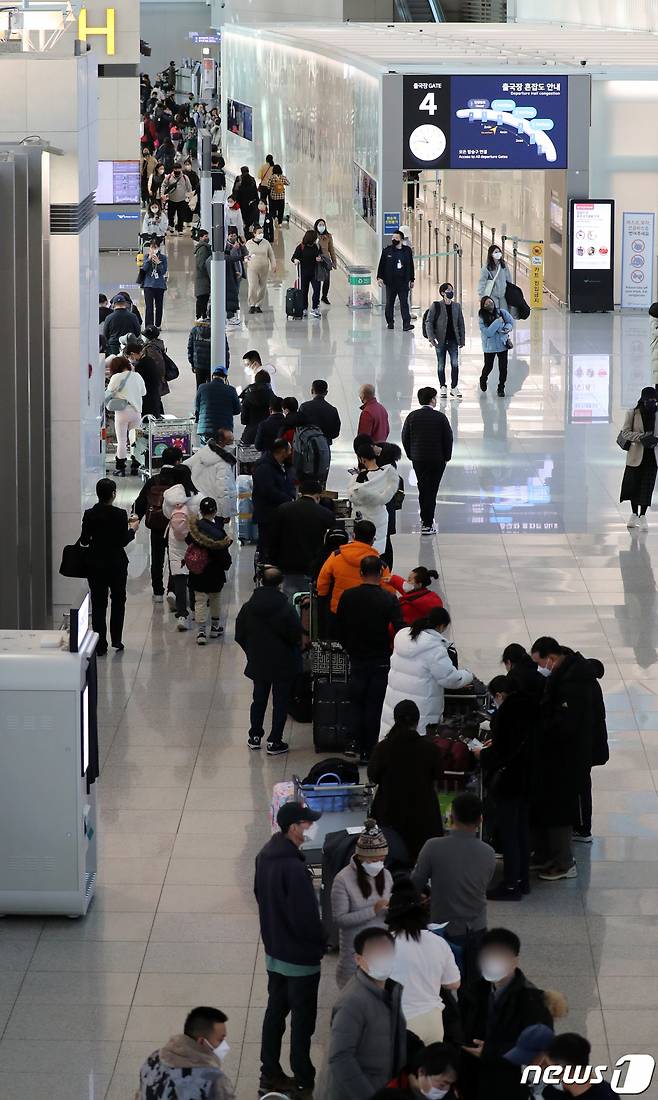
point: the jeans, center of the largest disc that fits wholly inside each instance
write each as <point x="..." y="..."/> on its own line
<point x="102" y="583"/>
<point x="400" y="291"/>
<point x="277" y="206"/>
<point x="280" y="694"/>
<point x="158" y="551"/>
<point x="428" y="476"/>
<point x="202" y="305"/>
<point x="124" y="421"/>
<point x="206" y="601"/>
<point x="306" y="282"/>
<point x="451" y="347"/>
<point x="367" y="687"/>
<point x="489" y="357"/>
<point x="153" y="302"/>
<point x="514" y="832"/>
<point x="299" y="997"/>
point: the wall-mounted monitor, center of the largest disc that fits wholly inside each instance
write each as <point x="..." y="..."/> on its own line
<point x="240" y="119"/>
<point x="591" y="254"/>
<point x="118" y="182"/>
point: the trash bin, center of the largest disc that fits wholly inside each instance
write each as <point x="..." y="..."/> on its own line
<point x="360" y="281"/>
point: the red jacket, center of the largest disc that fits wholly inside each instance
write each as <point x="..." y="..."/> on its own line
<point x="414" y="605"/>
<point x="374" y="421"/>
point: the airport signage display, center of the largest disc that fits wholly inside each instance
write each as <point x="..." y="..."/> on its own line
<point x="591" y="254"/>
<point x="485" y="121"/>
<point x="637" y="238"/>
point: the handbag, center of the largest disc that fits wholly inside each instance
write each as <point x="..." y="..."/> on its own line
<point x="398" y="497"/>
<point x="171" y="370"/>
<point x="516" y="301"/>
<point x="326" y="267"/>
<point x="75" y="561"/>
<point x="192" y="201"/>
<point x="623" y="442"/>
<point x="509" y="343"/>
<point x="114" y="403"/>
<point x="141" y="275"/>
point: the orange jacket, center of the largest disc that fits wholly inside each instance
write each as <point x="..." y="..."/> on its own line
<point x="342" y="571"/>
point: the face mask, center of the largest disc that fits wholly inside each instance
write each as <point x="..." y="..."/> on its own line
<point x="407" y="586"/>
<point x="373" y="868"/>
<point x="543" y="671"/>
<point x="381" y="966"/>
<point x="449" y="294"/>
<point x="488" y="309"/>
<point x="398" y="244"/>
<point x="321" y="227"/>
<point x="496" y="255"/>
<point x="220" y="1051"/>
<point x="258" y="236"/>
<point x="434" y="1094"/>
<point x="154" y="210"/>
<point x="311" y="832"/>
<point x="493" y="969"/>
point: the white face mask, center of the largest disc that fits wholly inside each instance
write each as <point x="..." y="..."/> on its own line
<point x="380" y="966"/>
<point x="497" y="255"/>
<point x="220" y="1051"/>
<point x="311" y="832"/>
<point x="258" y="237"/>
<point x="543" y="671"/>
<point x="373" y="868"/>
<point x="321" y="227"/>
<point x="493" y="969"/>
<point x="434" y="1094"/>
<point x="407" y="586"/>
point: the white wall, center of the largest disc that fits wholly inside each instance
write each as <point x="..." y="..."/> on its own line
<point x="510" y="200"/>
<point x="316" y="116"/>
<point x="626" y="14"/>
<point x="165" y="27"/>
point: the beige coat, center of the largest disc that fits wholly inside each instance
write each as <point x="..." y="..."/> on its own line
<point x="632" y="430"/>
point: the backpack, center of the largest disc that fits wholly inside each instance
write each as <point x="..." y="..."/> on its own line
<point x="311" y="456"/>
<point x="427" y="333"/>
<point x="334" y="765"/>
<point x="196" y="559"/>
<point x="179" y="523"/>
<point x="155" y="518"/>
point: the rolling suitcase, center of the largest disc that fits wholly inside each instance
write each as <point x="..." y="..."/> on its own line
<point x="294" y="303"/>
<point x="331" y="715"/>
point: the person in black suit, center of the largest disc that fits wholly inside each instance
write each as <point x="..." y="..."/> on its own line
<point x="106" y="530"/>
<point x="265" y="221"/>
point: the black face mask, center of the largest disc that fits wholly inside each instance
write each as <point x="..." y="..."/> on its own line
<point x="397" y="244"/>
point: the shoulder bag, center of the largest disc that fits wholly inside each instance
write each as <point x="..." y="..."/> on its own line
<point x="75" y="561"/>
<point x="114" y="403"/>
<point x="623" y="442"/>
<point x="171" y="370"/>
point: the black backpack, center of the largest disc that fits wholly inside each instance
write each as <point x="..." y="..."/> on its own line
<point x="334" y="765"/>
<point x="426" y="317"/>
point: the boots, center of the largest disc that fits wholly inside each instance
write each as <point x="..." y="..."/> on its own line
<point x="134" y="466"/>
<point x="120" y="467"/>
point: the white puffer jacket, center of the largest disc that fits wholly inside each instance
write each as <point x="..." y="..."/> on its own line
<point x="214" y="476"/>
<point x="420" y="670"/>
<point x="369" y="499"/>
<point x="173" y="498"/>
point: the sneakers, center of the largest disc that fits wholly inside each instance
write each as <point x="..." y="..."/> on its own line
<point x="443" y="391"/>
<point x="580" y="837"/>
<point x="258" y="309"/>
<point x="305" y="313"/>
<point x="216" y="630"/>
<point x="351" y="749"/>
<point x="253" y="741"/>
<point x="234" y="322"/>
<point x="201" y="638"/>
<point x="455" y="392"/>
<point x="171" y="601"/>
<point x="158" y="597"/>
<point x="252" y="309"/>
<point x="644" y="523"/>
<point x="431" y="530"/>
<point x="407" y="328"/>
<point x="483" y="384"/>
<point x="633" y="521"/>
<point x="554" y="874"/>
<point x="315" y="313"/>
<point x="182" y="623"/>
<point x="504" y="893"/>
<point x="276" y="748"/>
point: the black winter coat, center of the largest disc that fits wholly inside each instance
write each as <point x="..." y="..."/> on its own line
<point x="388" y="269"/>
<point x="289" y="914"/>
<point x="198" y="347"/>
<point x="202" y="254"/>
<point x="427" y="435"/>
<point x="151" y="367"/>
<point x="322" y="415"/>
<point x="255" y="402"/>
<point x="507" y="764"/>
<point x="210" y="535"/>
<point x="297" y="535"/>
<point x="526" y="679"/>
<point x="269" y="430"/>
<point x="490" y="1077"/>
<point x="306" y="255"/>
<point x="406" y="768"/>
<point x="106" y="532"/>
<point x="120" y="322"/>
<point x="272" y="486"/>
<point x="269" y="630"/>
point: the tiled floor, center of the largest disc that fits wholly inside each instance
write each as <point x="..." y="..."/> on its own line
<point x="532" y="541"/>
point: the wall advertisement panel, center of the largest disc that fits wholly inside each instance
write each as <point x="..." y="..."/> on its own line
<point x="591" y="255"/>
<point x="637" y="237"/>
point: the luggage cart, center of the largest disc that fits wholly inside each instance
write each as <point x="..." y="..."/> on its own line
<point x="343" y="806"/>
<point x="154" y="435"/>
<point x="247" y="456"/>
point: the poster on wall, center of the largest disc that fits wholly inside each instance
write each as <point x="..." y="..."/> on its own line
<point x="637" y="237"/>
<point x="485" y="121"/>
<point x="592" y="237"/>
<point x="364" y="194"/>
<point x="118" y="182"/>
<point x="240" y="119"/>
<point x="590" y="389"/>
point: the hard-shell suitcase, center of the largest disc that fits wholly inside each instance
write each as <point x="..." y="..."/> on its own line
<point x="331" y="715"/>
<point x="294" y="303"/>
<point x="247" y="529"/>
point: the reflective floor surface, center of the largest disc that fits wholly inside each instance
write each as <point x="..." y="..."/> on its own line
<point x="532" y="540"/>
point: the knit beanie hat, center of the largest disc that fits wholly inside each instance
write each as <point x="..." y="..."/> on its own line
<point x="372" y="841"/>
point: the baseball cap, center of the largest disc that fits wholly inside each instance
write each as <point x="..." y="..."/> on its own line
<point x="121" y="297"/>
<point x="220" y="370"/>
<point x="292" y="813"/>
<point x="532" y="1041"/>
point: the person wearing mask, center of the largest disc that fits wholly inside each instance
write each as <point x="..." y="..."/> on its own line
<point x="396" y="273"/>
<point x="639" y="480"/>
<point x="217" y="171"/>
<point x="202" y="254"/>
<point x="177" y="190"/>
<point x="213" y="472"/>
<point x="365" y="619"/>
<point x="531" y="1049"/>
<point x="370" y="490"/>
<point x="148" y="507"/>
<point x="235" y="251"/>
<point x="308" y="256"/>
<point x="445" y="329"/>
<point x="179" y="502"/>
<point x="342" y="568"/>
<point x="433" y="1073"/>
<point x="198" y="350"/>
<point x="245" y="190"/>
<point x="255" y="403"/>
<point x="272" y="485"/>
<point x="494" y="278"/>
<point x="424" y="963"/>
<point x="104" y="310"/>
<point x="416" y="596"/>
<point x="495" y="1009"/>
<point x="215" y="405"/>
<point x="278" y="184"/>
<point x="106" y="531"/>
<point x="407" y="769"/>
<point x="190" y="1065"/>
<point x="148" y="362"/>
<point x="207" y="534"/>
<point x="123" y="396"/>
<point x="147" y="168"/>
<point x="506" y="760"/>
<point x="421" y="669"/>
<point x="319" y="412"/>
<point x="265" y="222"/>
<point x="427" y="440"/>
<point x="360" y="895"/>
<point x="119" y="322"/>
<point x="294" y="945"/>
<point x="367" y="1041"/>
<point x="572" y="1053"/>
<point x="496" y="326"/>
<point x="289" y="407"/>
<point x="459" y="868"/>
<point x="233" y="217"/>
<point x="166" y="154"/>
<point x="373" y="419"/>
<point x="155" y="223"/>
<point x="522" y="672"/>
<point x="326" y="243"/>
<point x="296" y="536"/>
<point x="155" y="267"/>
<point x="156" y="187"/>
<point x="195" y="183"/>
<point x="270" y="429"/>
<point x="386" y="454"/>
<point x="264" y="177"/>
<point x="260" y="262"/>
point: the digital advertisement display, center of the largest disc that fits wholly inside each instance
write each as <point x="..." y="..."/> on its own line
<point x="591" y="236"/>
<point x="364" y="195"/>
<point x="485" y="121"/>
<point x="240" y="119"/>
<point x="590" y="389"/>
<point x="118" y="182"/>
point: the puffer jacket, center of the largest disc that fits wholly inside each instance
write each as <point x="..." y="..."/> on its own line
<point x="342" y="570"/>
<point x="420" y="671"/>
<point x="183" y="1069"/>
<point x="495" y="335"/>
<point x="369" y="499"/>
<point x="172" y="499"/>
<point x="213" y="473"/>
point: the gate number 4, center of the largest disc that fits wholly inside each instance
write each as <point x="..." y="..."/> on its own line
<point x="428" y="104"/>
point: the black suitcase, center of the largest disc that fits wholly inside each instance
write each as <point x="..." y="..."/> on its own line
<point x="331" y="715"/>
<point x="294" y="303"/>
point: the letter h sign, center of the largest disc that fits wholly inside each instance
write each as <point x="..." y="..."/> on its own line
<point x="107" y="30"/>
